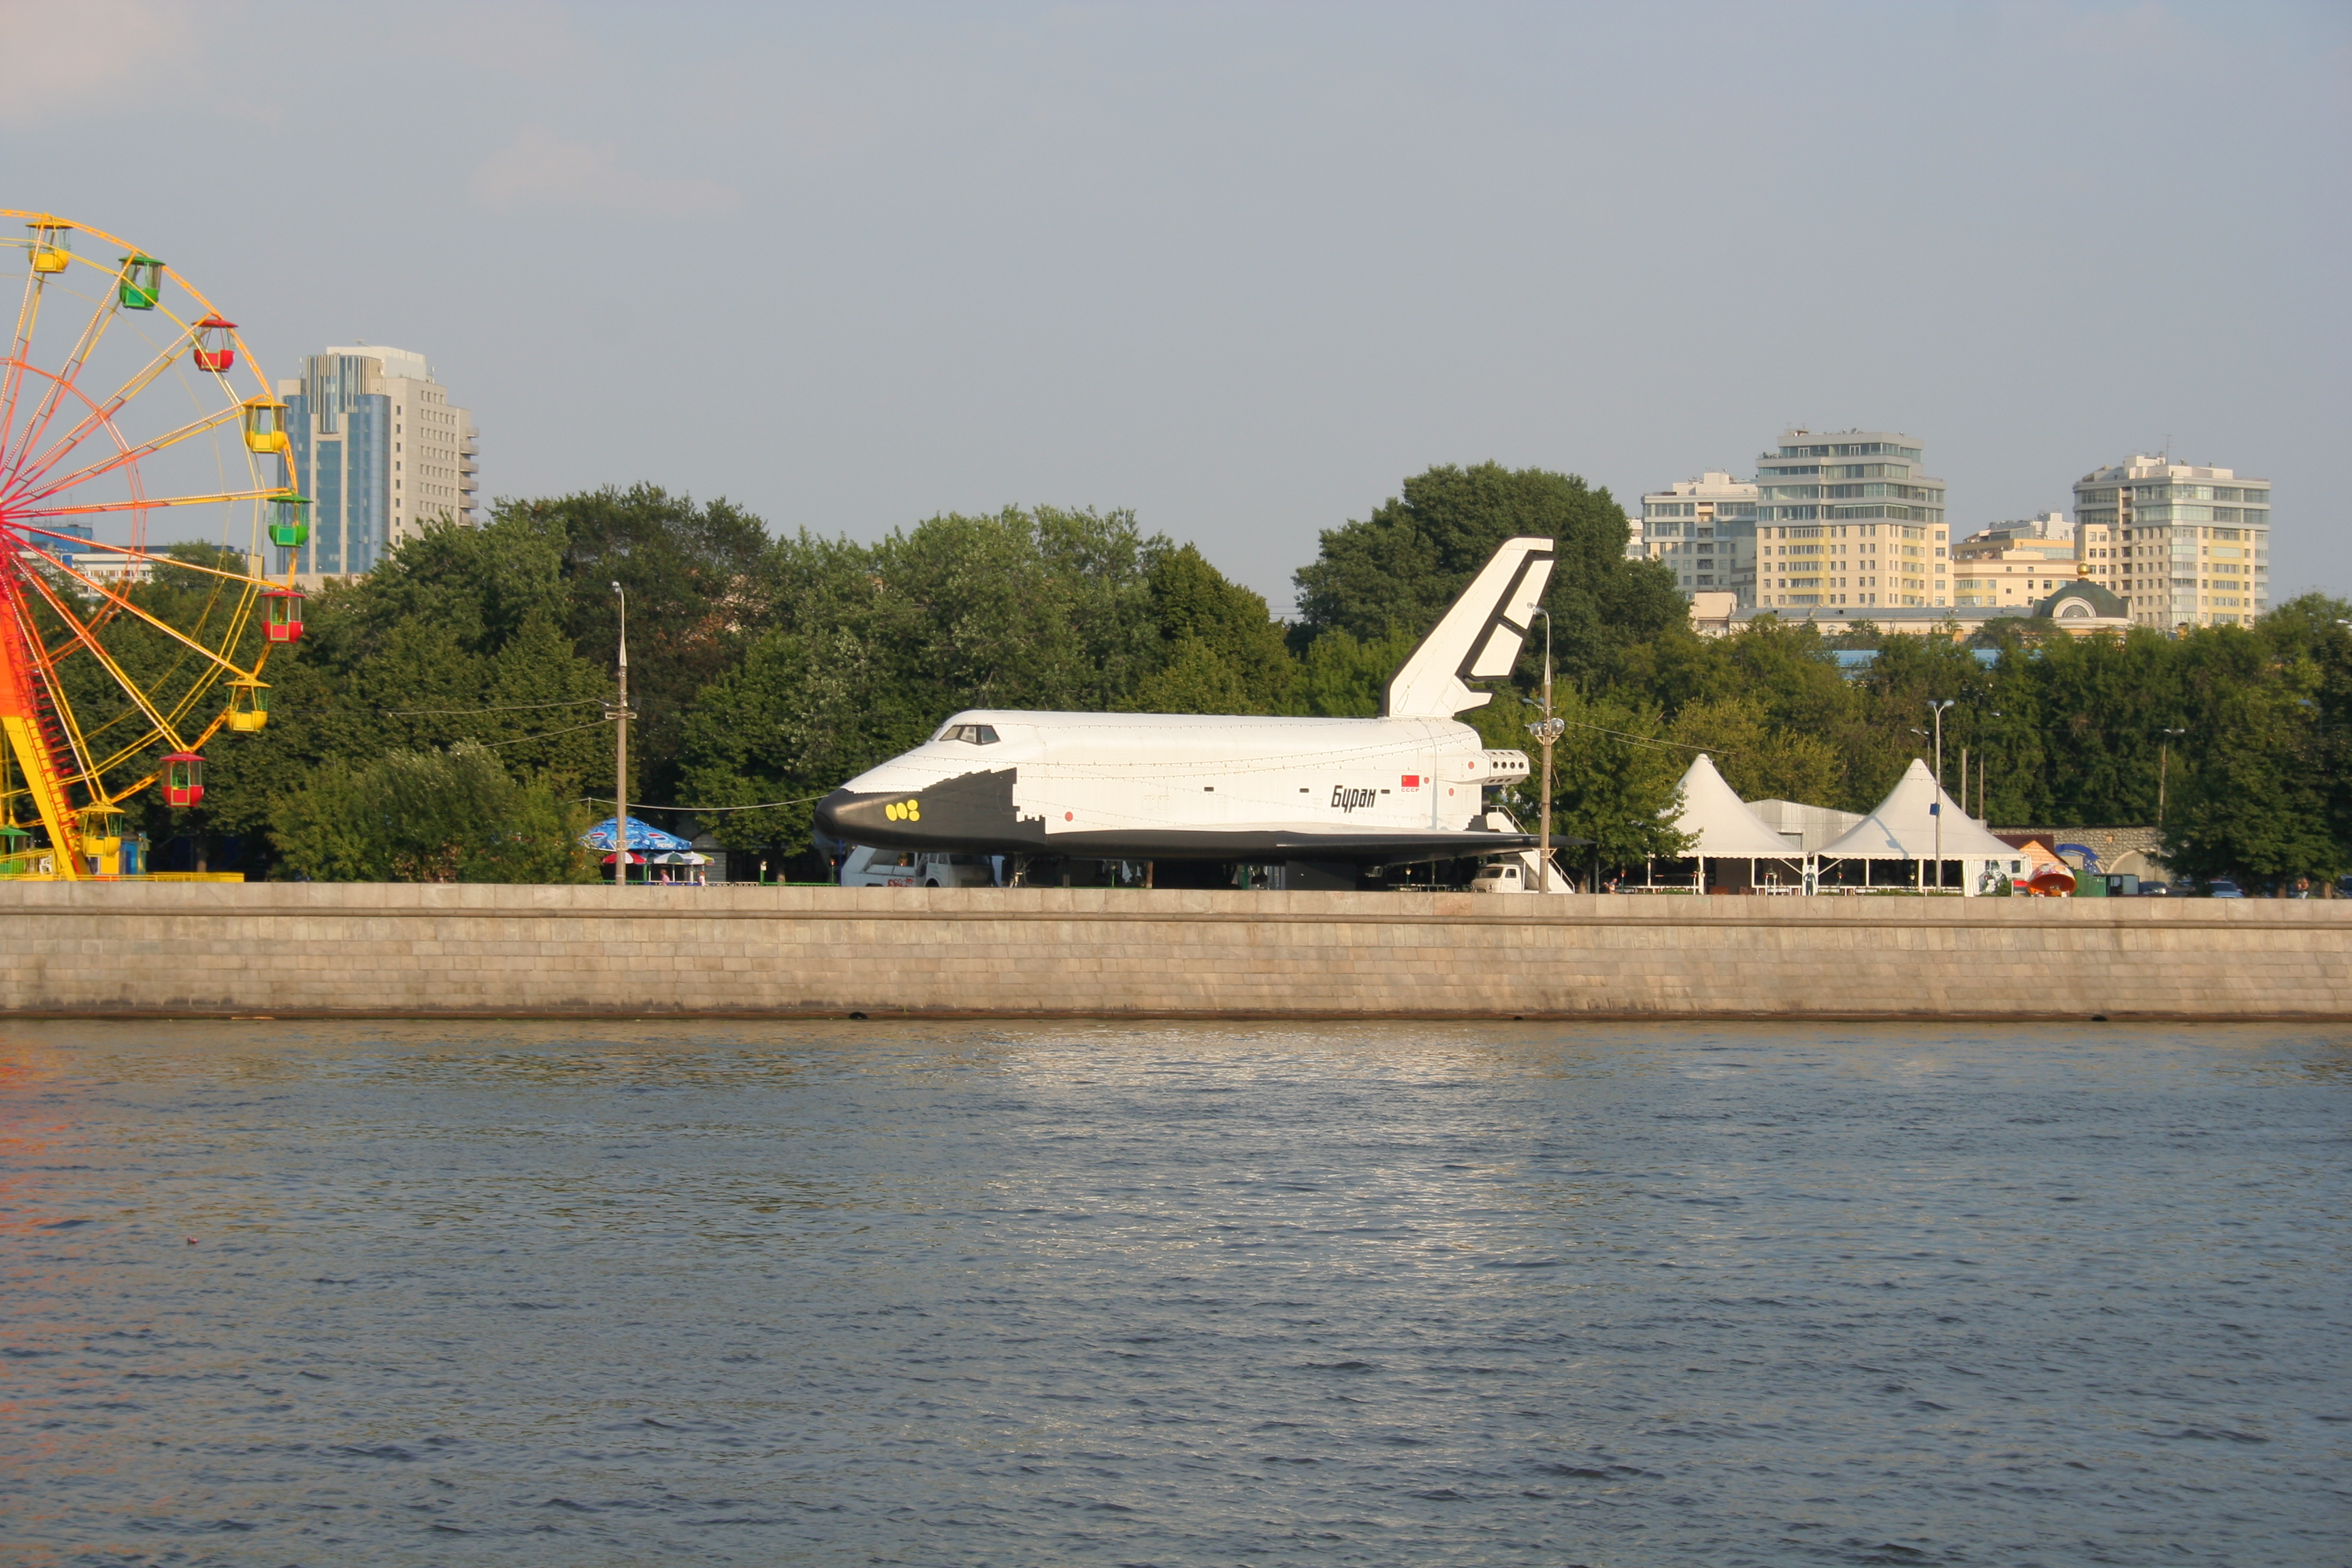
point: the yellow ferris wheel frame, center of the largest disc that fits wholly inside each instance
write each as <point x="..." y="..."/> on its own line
<point x="51" y="610"/>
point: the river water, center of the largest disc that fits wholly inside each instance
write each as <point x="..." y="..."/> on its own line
<point x="285" y="1292"/>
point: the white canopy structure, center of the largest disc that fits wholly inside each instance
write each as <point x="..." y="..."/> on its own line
<point x="1726" y="832"/>
<point x="1904" y="826"/>
<point x="1725" y="829"/>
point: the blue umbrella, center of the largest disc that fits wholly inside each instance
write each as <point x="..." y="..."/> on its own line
<point x="643" y="836"/>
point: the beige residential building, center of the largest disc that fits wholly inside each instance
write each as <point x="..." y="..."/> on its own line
<point x="1848" y="519"/>
<point x="1891" y="564"/>
<point x="2191" y="544"/>
<point x="2019" y="563"/>
<point x="2096" y="558"/>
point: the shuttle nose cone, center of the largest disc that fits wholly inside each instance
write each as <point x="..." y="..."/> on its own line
<point x="892" y="821"/>
<point x="971" y="811"/>
<point x="840" y="815"/>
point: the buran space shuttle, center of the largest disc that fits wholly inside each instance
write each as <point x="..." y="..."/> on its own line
<point x="1406" y="787"/>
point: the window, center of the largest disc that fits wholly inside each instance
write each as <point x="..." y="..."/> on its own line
<point x="973" y="735"/>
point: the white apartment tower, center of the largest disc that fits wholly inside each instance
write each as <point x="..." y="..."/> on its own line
<point x="380" y="451"/>
<point x="1705" y="530"/>
<point x="2192" y="545"/>
<point x="1848" y="519"/>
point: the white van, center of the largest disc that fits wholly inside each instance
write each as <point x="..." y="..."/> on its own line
<point x="1517" y="873"/>
<point x="868" y="867"/>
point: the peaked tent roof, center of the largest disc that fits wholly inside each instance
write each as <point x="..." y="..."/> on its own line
<point x="1716" y="816"/>
<point x="1901" y="826"/>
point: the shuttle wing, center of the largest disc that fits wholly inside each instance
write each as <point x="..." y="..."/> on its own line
<point x="1478" y="640"/>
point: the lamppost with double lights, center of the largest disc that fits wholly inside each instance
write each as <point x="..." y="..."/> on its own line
<point x="1546" y="730"/>
<point x="1935" y="808"/>
<point x="621" y="755"/>
<point x="2163" y="764"/>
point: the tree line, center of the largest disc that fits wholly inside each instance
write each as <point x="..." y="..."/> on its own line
<point x="444" y="718"/>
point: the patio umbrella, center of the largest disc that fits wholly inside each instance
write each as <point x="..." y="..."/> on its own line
<point x="642" y="836"/>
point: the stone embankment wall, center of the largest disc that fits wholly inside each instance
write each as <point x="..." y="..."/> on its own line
<point x="290" y="950"/>
<point x="2109" y="844"/>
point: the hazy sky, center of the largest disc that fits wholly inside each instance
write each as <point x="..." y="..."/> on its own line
<point x="1243" y="269"/>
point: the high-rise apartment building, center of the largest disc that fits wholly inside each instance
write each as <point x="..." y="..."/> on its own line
<point x="2192" y="546"/>
<point x="1704" y="529"/>
<point x="380" y="451"/>
<point x="1848" y="519"/>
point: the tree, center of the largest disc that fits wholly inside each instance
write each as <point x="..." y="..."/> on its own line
<point x="1220" y="650"/>
<point x="700" y="588"/>
<point x="1398" y="569"/>
<point x="2255" y="801"/>
<point x="456" y="638"/>
<point x="1615" y="782"/>
<point x="429" y="817"/>
<point x="1759" y="761"/>
<point x="1340" y="677"/>
<point x="2313" y="634"/>
<point x="871" y="648"/>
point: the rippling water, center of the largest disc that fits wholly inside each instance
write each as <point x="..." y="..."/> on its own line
<point x="282" y="1293"/>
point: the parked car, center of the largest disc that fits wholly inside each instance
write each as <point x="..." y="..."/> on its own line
<point x="869" y="867"/>
<point x="2222" y="888"/>
<point x="2155" y="890"/>
<point x="1514" y="875"/>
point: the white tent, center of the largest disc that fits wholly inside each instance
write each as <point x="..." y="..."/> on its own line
<point x="1904" y="826"/>
<point x="1725" y="829"/>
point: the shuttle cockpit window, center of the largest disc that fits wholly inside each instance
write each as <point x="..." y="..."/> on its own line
<point x="977" y="734"/>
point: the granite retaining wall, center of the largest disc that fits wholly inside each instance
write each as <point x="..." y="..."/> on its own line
<point x="300" y="949"/>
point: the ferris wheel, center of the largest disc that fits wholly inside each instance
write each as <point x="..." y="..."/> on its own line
<point x="133" y="426"/>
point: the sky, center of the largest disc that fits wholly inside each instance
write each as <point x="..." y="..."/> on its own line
<point x="1244" y="269"/>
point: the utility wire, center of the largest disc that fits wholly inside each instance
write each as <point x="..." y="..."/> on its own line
<point x="449" y="712"/>
<point x="1646" y="741"/>
<point x="763" y="805"/>
<point x="542" y="735"/>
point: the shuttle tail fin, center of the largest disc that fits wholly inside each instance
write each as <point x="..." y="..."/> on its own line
<point x="1478" y="640"/>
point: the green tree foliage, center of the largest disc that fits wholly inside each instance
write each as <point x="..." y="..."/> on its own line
<point x="871" y="647"/>
<point x="1398" y="569"/>
<point x="465" y="679"/>
<point x="1220" y="651"/>
<point x="1615" y="782"/>
<point x="1340" y="677"/>
<point x="451" y="815"/>
<point x="1758" y="759"/>
<point x="454" y="641"/>
<point x="698" y="589"/>
<point x="2264" y="712"/>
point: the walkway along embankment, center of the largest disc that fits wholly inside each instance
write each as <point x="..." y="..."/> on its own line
<point x="95" y="950"/>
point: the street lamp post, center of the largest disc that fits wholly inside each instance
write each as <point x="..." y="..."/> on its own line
<point x="1935" y="809"/>
<point x="2163" y="764"/>
<point x="621" y="755"/>
<point x="1984" y="810"/>
<point x="1547" y="730"/>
